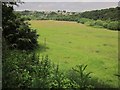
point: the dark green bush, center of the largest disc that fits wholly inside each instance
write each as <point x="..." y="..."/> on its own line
<point x="16" y="30"/>
<point x="42" y="75"/>
<point x="59" y="79"/>
<point x="16" y="69"/>
<point x="79" y="77"/>
<point x="25" y="69"/>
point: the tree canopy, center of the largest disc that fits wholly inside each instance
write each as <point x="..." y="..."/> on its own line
<point x="16" y="30"/>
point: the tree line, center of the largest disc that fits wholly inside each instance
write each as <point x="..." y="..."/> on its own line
<point x="106" y="18"/>
<point x="103" y="14"/>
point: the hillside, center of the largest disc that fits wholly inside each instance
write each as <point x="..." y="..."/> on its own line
<point x="104" y="18"/>
<point x="103" y="14"/>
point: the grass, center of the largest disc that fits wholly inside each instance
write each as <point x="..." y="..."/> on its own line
<point x="69" y="44"/>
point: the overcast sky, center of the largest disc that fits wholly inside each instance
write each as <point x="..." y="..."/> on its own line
<point x="68" y="6"/>
<point x="70" y="0"/>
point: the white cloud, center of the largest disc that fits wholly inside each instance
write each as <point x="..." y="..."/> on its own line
<point x="70" y="0"/>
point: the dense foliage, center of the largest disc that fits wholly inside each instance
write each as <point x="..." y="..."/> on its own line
<point x="16" y="30"/>
<point x="103" y="14"/>
<point x="23" y="69"/>
<point x="112" y="25"/>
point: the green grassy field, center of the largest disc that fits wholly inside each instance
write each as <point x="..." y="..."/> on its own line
<point x="71" y="43"/>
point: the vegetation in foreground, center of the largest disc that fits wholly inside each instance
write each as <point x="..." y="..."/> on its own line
<point x="23" y="69"/>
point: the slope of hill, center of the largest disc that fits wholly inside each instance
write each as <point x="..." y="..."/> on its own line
<point x="103" y="14"/>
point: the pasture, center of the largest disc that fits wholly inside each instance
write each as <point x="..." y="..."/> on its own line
<point x="70" y="43"/>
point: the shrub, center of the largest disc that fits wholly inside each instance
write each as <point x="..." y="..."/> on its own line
<point x="79" y="77"/>
<point x="99" y="22"/>
<point x="92" y="23"/>
<point x="16" y="30"/>
<point x="105" y="24"/>
<point x="82" y="20"/>
<point x="42" y="75"/>
<point x="59" y="80"/>
<point x="25" y="70"/>
<point x="25" y="38"/>
<point x="18" y="69"/>
<point x="113" y="25"/>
